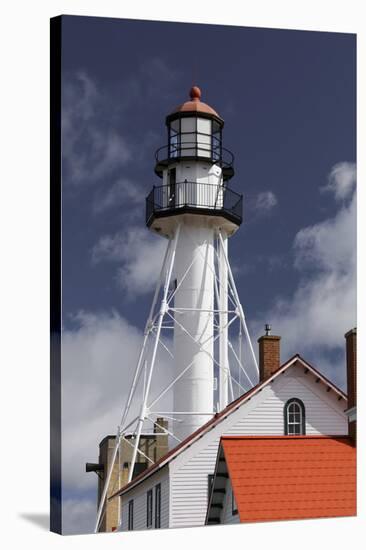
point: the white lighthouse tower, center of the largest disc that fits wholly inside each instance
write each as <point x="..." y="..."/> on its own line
<point x="194" y="199"/>
<point x="196" y="298"/>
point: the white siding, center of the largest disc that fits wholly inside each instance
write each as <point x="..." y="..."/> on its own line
<point x="227" y="516"/>
<point x="263" y="414"/>
<point x="138" y="495"/>
<point x="323" y="412"/>
<point x="189" y="488"/>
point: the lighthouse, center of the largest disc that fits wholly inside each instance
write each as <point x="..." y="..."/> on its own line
<point x="196" y="302"/>
<point x="194" y="199"/>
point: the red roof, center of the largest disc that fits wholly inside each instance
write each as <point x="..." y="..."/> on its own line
<point x="291" y="477"/>
<point x="195" y="104"/>
<point x="221" y="415"/>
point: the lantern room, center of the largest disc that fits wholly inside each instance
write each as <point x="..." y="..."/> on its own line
<point x="195" y="133"/>
<point x="194" y="168"/>
<point x="194" y="130"/>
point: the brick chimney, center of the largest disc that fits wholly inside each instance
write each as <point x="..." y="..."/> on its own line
<point x="269" y="354"/>
<point x="351" y="361"/>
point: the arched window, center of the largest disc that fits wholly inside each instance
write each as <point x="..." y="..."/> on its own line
<point x="294" y="417"/>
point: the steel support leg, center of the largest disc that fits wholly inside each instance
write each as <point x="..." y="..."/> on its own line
<point x="163" y="309"/>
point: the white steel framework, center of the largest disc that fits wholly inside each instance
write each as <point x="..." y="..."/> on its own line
<point x="235" y="376"/>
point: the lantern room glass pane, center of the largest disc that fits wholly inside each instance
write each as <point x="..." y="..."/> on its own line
<point x="216" y="140"/>
<point x="174" y="125"/>
<point x="174" y="138"/>
<point x="204" y="126"/>
<point x="188" y="137"/>
<point x="204" y="137"/>
<point x="173" y="143"/>
<point x="188" y="125"/>
<point x="216" y="148"/>
<point x="215" y="127"/>
<point x="203" y="145"/>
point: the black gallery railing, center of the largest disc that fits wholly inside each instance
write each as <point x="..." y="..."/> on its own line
<point x="165" y="200"/>
<point x="204" y="150"/>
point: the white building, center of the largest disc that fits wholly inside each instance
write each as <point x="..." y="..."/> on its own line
<point x="178" y="484"/>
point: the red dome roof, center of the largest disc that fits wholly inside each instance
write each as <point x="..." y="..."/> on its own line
<point x="195" y="104"/>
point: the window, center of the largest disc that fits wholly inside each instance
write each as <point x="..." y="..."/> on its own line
<point x="130" y="515"/>
<point x="149" y="508"/>
<point x="210" y="479"/>
<point x="157" y="506"/>
<point x="294" y="417"/>
<point x="234" y="508"/>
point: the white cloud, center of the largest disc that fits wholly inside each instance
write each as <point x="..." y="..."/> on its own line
<point x="341" y="180"/>
<point x="139" y="255"/>
<point x="265" y="201"/>
<point x="314" y="319"/>
<point x="329" y="246"/>
<point x="91" y="147"/>
<point x="98" y="361"/>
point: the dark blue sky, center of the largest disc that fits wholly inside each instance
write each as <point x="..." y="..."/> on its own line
<point x="288" y="101"/>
